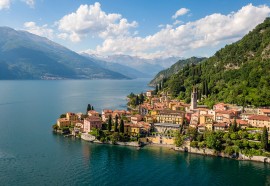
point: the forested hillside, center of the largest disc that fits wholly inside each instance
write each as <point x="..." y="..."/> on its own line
<point x="239" y="73"/>
<point x="164" y="74"/>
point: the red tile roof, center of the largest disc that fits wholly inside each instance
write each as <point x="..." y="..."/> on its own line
<point x="259" y="117"/>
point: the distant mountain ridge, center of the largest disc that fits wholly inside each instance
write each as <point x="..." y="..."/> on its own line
<point x="116" y="67"/>
<point x="164" y="74"/>
<point x="27" y="56"/>
<point x="149" y="67"/>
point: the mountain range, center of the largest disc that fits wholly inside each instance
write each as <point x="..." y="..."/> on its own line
<point x="24" y="55"/>
<point x="27" y="56"/>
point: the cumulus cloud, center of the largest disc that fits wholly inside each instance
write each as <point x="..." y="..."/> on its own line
<point x="91" y="20"/>
<point x="30" y="3"/>
<point x="180" y="12"/>
<point x="210" y="31"/>
<point x="43" y="30"/>
<point x="4" y="4"/>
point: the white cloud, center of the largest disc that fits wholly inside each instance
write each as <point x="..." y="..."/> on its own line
<point x="43" y="31"/>
<point x="4" y="4"/>
<point x="210" y="31"/>
<point x="91" y="20"/>
<point x="177" y="22"/>
<point x="30" y="3"/>
<point x="180" y="12"/>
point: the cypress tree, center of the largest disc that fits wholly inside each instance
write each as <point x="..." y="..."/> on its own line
<point x="137" y="102"/>
<point x="122" y="125"/>
<point x="88" y="107"/>
<point x="109" y="123"/>
<point x="116" y="124"/>
<point x="264" y="138"/>
<point x="156" y="91"/>
<point x="92" y="108"/>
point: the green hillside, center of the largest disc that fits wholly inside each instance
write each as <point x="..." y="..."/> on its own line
<point x="164" y="74"/>
<point x="239" y="73"/>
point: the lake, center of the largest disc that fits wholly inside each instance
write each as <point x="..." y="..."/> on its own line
<point x="30" y="154"/>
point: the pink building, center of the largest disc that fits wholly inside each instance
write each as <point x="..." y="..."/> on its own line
<point x="91" y="123"/>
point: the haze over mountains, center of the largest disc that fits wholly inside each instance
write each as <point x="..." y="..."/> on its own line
<point x="141" y="65"/>
<point x="27" y="56"/>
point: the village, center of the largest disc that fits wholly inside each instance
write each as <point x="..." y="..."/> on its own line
<point x="158" y="117"/>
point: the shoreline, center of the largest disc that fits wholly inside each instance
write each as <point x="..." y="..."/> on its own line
<point x="183" y="149"/>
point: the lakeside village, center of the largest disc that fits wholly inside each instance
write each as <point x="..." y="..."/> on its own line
<point x="155" y="119"/>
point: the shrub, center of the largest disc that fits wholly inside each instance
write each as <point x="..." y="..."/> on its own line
<point x="194" y="144"/>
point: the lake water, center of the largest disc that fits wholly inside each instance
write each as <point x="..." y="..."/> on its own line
<point x="30" y="154"/>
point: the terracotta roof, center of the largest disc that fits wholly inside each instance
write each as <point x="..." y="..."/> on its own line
<point x="265" y="110"/>
<point x="220" y="125"/>
<point x="259" y="117"/>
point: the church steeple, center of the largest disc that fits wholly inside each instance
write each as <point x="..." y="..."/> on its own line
<point x="194" y="97"/>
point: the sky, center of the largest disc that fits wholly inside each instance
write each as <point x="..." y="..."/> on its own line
<point x="143" y="28"/>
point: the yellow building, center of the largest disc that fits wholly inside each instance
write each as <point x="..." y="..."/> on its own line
<point x="63" y="122"/>
<point x="71" y="116"/>
<point x="171" y="116"/>
<point x="207" y="120"/>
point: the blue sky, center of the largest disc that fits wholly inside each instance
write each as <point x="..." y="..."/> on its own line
<point x="145" y="28"/>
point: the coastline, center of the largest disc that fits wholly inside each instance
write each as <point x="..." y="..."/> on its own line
<point x="184" y="149"/>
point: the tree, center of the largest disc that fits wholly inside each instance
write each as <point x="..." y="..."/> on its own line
<point x="137" y="102"/>
<point x="264" y="138"/>
<point x="92" y="108"/>
<point x="179" y="139"/>
<point x="116" y="124"/>
<point x="88" y="107"/>
<point x="233" y="127"/>
<point x="156" y="91"/>
<point x="110" y="123"/>
<point x="121" y="125"/>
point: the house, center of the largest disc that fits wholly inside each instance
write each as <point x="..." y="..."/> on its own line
<point x="225" y="115"/>
<point x="220" y="106"/>
<point x="171" y="116"/>
<point x="71" y="116"/>
<point x="207" y="120"/>
<point x="63" y="122"/>
<point x="105" y="114"/>
<point x="149" y="93"/>
<point x="136" y="118"/>
<point x="92" y="122"/>
<point x="93" y="113"/>
<point x="165" y="127"/>
<point x="265" y="112"/>
<point x="259" y="121"/>
<point x="137" y="129"/>
<point x="220" y="126"/>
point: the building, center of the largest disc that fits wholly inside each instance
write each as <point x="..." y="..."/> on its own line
<point x="220" y="106"/>
<point x="220" y="126"/>
<point x="259" y="121"/>
<point x="105" y="114"/>
<point x="136" y="118"/>
<point x="166" y="127"/>
<point x="149" y="93"/>
<point x="92" y="122"/>
<point x="171" y="116"/>
<point x="93" y="113"/>
<point x="71" y="116"/>
<point x="225" y="115"/>
<point x="194" y="98"/>
<point x="63" y="122"/>
<point x="265" y="112"/>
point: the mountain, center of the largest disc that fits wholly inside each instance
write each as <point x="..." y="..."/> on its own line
<point x="237" y="74"/>
<point x="164" y="74"/>
<point x="140" y="64"/>
<point x="116" y="67"/>
<point x="27" y="56"/>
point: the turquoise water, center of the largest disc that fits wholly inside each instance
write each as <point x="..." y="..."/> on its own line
<point x="30" y="154"/>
